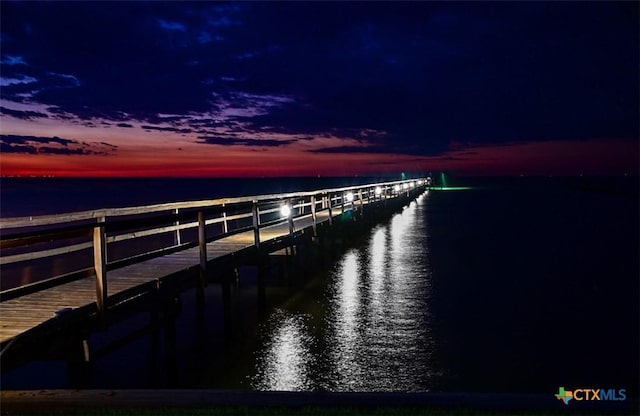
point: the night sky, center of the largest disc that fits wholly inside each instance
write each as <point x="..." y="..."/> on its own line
<point x="330" y="89"/>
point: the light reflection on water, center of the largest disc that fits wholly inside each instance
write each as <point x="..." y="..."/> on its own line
<point x="286" y="361"/>
<point x="375" y="334"/>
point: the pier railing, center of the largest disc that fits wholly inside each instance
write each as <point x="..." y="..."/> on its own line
<point x="65" y="247"/>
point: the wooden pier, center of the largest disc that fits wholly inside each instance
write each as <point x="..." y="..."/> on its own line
<point x="125" y="258"/>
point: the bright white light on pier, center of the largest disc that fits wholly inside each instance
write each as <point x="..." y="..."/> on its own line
<point x="405" y="186"/>
<point x="396" y="188"/>
<point x="349" y="196"/>
<point x="378" y="190"/>
<point x="285" y="210"/>
<point x="420" y="182"/>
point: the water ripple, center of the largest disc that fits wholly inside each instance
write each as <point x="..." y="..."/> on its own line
<point x="376" y="331"/>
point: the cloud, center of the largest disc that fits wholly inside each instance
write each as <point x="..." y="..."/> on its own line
<point x="206" y="37"/>
<point x="26" y="86"/>
<point x="13" y="60"/>
<point x="353" y="149"/>
<point x="5" y="82"/>
<point x="424" y="73"/>
<point x="366" y="146"/>
<point x="172" y="129"/>
<point x="64" y="80"/>
<point x="164" y="24"/>
<point x="231" y="141"/>
<point x="24" y="115"/>
<point x="52" y="146"/>
<point x="16" y="148"/>
<point x="125" y="125"/>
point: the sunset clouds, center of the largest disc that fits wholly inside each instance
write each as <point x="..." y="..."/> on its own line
<point x="281" y="89"/>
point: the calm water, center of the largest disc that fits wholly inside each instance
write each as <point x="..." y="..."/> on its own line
<point x="375" y="329"/>
<point x="513" y="286"/>
<point x="493" y="289"/>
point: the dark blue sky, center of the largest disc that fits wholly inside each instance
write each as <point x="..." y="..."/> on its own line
<point x="344" y="85"/>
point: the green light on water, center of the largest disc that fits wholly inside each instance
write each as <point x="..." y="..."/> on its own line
<point x="451" y="188"/>
<point x="445" y="187"/>
<point x="443" y="180"/>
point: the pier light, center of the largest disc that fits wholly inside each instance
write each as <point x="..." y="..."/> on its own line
<point x="349" y="196"/>
<point x="420" y="182"/>
<point x="285" y="210"/>
<point x="378" y="190"/>
<point x="396" y="188"/>
<point x="405" y="186"/>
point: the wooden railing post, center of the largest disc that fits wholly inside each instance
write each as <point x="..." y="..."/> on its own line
<point x="329" y="207"/>
<point x="178" y="242"/>
<point x="361" y="201"/>
<point x="313" y="215"/>
<point x="256" y="224"/>
<point x="225" y="226"/>
<point x="202" y="244"/>
<point x="100" y="266"/>
<point x="291" y="221"/>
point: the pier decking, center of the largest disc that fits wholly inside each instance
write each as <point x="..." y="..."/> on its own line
<point x="198" y="237"/>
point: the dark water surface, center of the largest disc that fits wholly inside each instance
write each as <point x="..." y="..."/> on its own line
<point x="493" y="289"/>
<point x="512" y="286"/>
<point x="372" y="327"/>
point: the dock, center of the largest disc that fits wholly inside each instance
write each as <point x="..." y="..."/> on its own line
<point x="130" y="258"/>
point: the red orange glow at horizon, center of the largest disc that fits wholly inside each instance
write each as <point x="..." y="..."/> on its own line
<point x="613" y="156"/>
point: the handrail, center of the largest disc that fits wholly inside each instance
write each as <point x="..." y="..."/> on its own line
<point x="98" y="228"/>
<point x="19" y="222"/>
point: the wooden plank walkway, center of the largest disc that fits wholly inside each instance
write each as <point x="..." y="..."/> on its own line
<point x="20" y="315"/>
